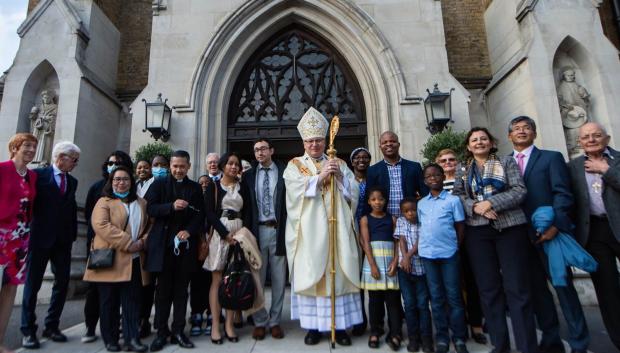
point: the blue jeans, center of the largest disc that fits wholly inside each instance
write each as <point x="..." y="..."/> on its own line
<point x="415" y="298"/>
<point x="442" y="277"/>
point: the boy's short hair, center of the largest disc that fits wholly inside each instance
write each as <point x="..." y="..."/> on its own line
<point x="432" y="165"/>
<point x="408" y="199"/>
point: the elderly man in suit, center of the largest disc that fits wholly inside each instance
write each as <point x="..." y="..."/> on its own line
<point x="548" y="184"/>
<point x="595" y="179"/>
<point x="401" y="177"/>
<point x="53" y="230"/>
<point x="268" y="203"/>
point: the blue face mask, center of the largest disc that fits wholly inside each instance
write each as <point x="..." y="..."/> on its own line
<point x="121" y="195"/>
<point x="111" y="168"/>
<point x="177" y="245"/>
<point x="159" y="172"/>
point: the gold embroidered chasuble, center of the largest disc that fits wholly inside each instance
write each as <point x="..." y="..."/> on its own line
<point x="307" y="230"/>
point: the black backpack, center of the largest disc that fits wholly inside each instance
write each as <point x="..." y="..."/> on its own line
<point x="237" y="290"/>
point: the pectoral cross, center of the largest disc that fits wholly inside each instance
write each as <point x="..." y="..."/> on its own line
<point x="597" y="186"/>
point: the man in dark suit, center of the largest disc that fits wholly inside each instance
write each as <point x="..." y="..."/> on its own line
<point x="548" y="184"/>
<point x="402" y="178"/>
<point x="595" y="179"/>
<point x="53" y="231"/>
<point x="268" y="205"/>
<point x="176" y="204"/>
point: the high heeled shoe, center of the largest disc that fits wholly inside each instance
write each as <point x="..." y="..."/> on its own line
<point x="233" y="339"/>
<point x="217" y="341"/>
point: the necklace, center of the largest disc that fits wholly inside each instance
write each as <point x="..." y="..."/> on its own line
<point x="22" y="174"/>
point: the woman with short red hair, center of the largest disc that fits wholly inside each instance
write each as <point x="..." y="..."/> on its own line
<point x="17" y="192"/>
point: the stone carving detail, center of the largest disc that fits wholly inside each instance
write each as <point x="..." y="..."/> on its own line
<point x="574" y="102"/>
<point x="43" y="125"/>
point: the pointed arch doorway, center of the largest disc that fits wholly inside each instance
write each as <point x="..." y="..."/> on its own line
<point x="291" y="71"/>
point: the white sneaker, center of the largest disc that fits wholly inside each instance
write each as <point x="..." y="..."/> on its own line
<point x="88" y="338"/>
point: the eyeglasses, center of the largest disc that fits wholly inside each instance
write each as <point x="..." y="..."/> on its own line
<point x="446" y="160"/>
<point x="314" y="142"/>
<point x="111" y="163"/>
<point x="121" y="179"/>
<point x="261" y="149"/>
<point x="74" y="160"/>
<point x="595" y="136"/>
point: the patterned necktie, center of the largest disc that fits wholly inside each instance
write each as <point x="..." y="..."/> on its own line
<point x="266" y="193"/>
<point x="521" y="162"/>
<point x="63" y="184"/>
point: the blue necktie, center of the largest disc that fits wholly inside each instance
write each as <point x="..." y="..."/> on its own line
<point x="266" y="193"/>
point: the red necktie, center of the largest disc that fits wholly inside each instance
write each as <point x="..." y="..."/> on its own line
<point x="63" y="184"/>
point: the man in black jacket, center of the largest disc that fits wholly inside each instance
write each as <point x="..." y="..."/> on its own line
<point x="53" y="231"/>
<point x="176" y="204"/>
<point x="268" y="204"/>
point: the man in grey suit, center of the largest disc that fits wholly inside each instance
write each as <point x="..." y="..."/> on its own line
<point x="595" y="179"/>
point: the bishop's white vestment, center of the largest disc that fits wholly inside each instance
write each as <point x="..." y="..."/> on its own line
<point x="307" y="246"/>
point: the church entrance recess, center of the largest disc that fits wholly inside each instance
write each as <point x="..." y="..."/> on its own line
<point x="290" y="72"/>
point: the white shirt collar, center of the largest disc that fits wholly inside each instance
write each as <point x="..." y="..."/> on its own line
<point x="56" y="170"/>
<point x="527" y="152"/>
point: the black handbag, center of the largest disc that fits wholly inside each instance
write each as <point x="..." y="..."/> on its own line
<point x="99" y="259"/>
<point x="237" y="289"/>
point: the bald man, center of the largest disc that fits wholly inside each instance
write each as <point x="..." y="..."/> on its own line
<point x="595" y="179"/>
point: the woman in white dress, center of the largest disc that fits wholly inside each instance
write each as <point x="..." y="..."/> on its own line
<point x="226" y="214"/>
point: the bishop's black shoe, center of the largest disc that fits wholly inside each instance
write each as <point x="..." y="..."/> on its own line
<point x="312" y="337"/>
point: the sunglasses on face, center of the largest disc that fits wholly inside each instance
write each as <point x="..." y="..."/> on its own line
<point x="445" y="160"/>
<point x="111" y="163"/>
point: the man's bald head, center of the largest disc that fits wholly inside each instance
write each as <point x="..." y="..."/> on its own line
<point x="593" y="138"/>
<point x="388" y="142"/>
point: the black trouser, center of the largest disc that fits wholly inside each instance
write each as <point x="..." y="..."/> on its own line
<point x="378" y="301"/>
<point x="499" y="260"/>
<point x="60" y="257"/>
<point x="91" y="304"/>
<point x="91" y="307"/>
<point x="199" y="290"/>
<point x="172" y="283"/>
<point x="605" y="248"/>
<point x="148" y="297"/>
<point x="113" y="296"/>
<point x="472" y="297"/>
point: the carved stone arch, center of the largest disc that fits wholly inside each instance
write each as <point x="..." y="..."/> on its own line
<point x="344" y="24"/>
<point x="44" y="76"/>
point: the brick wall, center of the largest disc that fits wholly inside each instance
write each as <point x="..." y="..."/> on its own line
<point x="466" y="41"/>
<point x="133" y="62"/>
<point x="608" y="20"/>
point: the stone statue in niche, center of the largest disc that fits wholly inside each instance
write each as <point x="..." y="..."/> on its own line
<point x="574" y="102"/>
<point x="43" y="125"/>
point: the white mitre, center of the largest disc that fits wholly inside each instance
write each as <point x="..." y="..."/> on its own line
<point x="312" y="125"/>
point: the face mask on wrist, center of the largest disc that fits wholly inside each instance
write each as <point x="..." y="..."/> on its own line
<point x="177" y="244"/>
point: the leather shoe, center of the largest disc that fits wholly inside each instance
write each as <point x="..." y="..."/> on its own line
<point x="555" y="348"/>
<point x="31" y="342"/>
<point x="113" y="347"/>
<point x="181" y="340"/>
<point x="55" y="335"/>
<point x="276" y="332"/>
<point x="258" y="333"/>
<point x="134" y="345"/>
<point x="342" y="338"/>
<point x="158" y="343"/>
<point x="312" y="337"/>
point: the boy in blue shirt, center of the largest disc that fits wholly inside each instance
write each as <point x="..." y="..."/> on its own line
<point x="442" y="227"/>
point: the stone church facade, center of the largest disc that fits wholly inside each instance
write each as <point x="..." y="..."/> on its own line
<point x="235" y="70"/>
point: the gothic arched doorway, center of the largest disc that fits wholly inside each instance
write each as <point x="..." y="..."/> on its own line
<point x="288" y="73"/>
